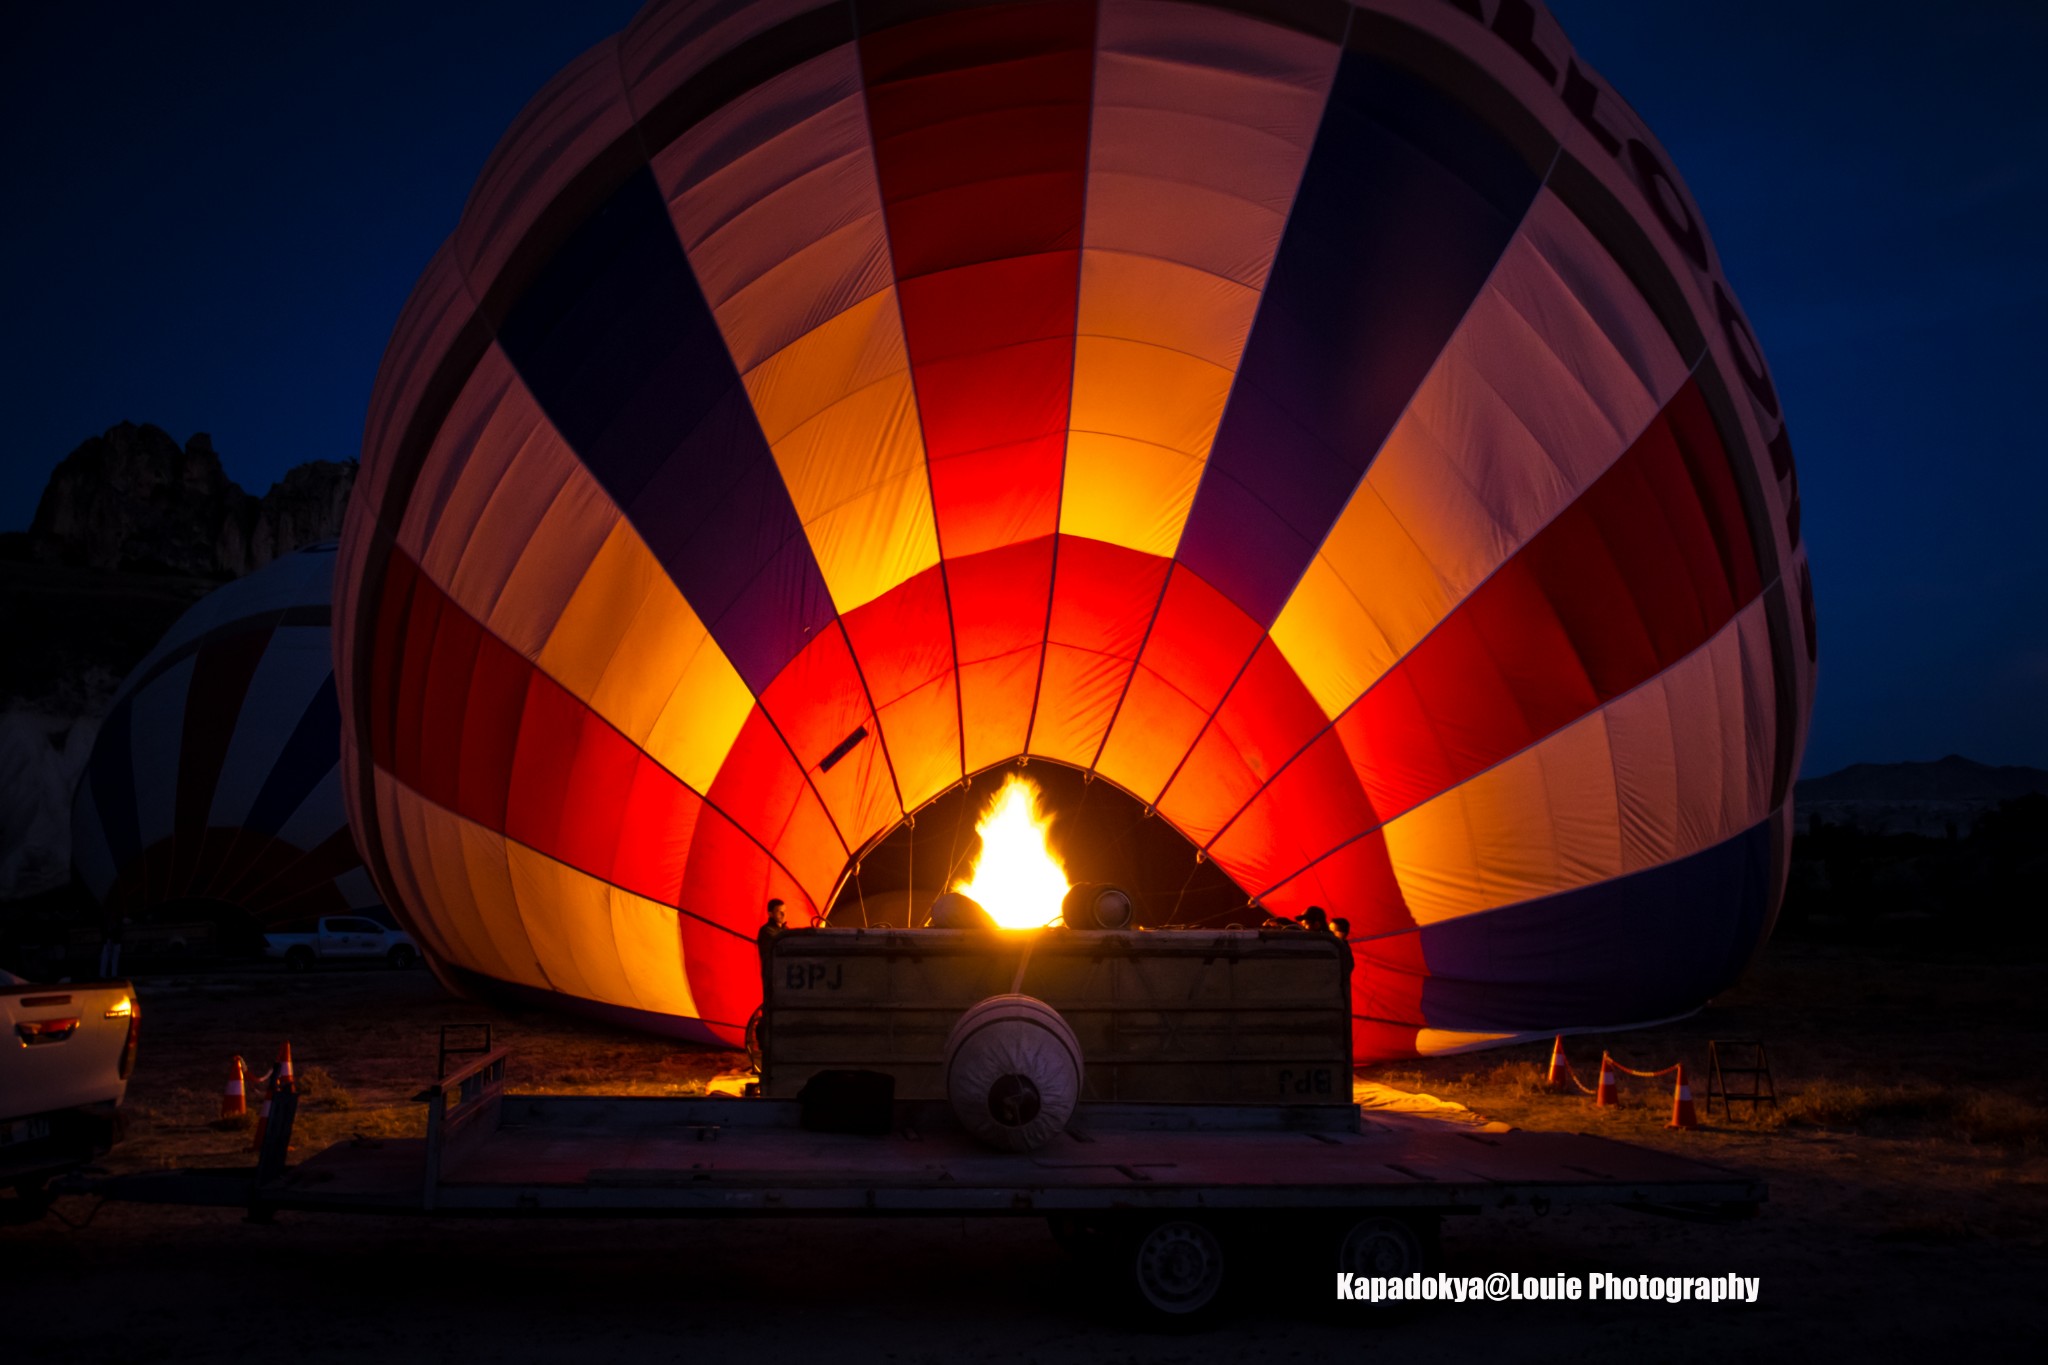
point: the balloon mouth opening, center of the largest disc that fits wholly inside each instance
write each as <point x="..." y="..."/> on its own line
<point x="1034" y="846"/>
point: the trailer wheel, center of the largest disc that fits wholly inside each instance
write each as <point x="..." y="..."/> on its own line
<point x="299" y="959"/>
<point x="1386" y="1246"/>
<point x="1175" y="1271"/>
<point x="1382" y="1246"/>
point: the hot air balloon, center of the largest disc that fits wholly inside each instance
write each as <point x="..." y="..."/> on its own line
<point x="1326" y="422"/>
<point x="214" y="783"/>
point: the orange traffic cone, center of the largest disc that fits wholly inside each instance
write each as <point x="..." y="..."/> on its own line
<point x="1603" y="1098"/>
<point x="1682" y="1115"/>
<point x="1557" y="1065"/>
<point x="234" y="1100"/>
<point x="283" y="1071"/>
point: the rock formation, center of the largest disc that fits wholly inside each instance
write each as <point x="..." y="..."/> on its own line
<point x="132" y="499"/>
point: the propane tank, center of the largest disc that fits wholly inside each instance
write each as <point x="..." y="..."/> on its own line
<point x="1013" y="1072"/>
<point x="1097" y="905"/>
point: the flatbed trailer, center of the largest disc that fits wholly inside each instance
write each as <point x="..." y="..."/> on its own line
<point x="1159" y="1188"/>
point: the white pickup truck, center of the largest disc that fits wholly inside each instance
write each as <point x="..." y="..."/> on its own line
<point x="65" y="1059"/>
<point x="342" y="938"/>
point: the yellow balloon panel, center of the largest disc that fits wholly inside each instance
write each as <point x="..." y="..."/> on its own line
<point x="841" y="415"/>
<point x="670" y="690"/>
<point x="1127" y="492"/>
<point x="569" y="923"/>
<point x="624" y="949"/>
<point x="1370" y="586"/>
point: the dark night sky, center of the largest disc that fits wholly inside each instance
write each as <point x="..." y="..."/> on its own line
<point x="215" y="212"/>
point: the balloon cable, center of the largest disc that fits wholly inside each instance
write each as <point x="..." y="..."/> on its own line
<point x="1174" y="918"/>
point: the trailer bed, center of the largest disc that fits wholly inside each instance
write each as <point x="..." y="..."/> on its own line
<point x="489" y="1152"/>
<point x="768" y="1167"/>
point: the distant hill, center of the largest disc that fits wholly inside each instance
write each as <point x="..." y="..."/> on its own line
<point x="132" y="499"/>
<point x="1914" y="798"/>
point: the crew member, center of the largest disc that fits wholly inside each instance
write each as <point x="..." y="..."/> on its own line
<point x="771" y="929"/>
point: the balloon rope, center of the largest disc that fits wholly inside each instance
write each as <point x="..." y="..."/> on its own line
<point x="1128" y="830"/>
<point x="953" y="850"/>
<point x="1174" y="918"/>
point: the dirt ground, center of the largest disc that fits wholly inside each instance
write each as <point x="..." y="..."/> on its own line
<point x="1908" y="1210"/>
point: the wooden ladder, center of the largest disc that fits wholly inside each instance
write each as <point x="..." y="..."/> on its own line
<point x="1761" y="1090"/>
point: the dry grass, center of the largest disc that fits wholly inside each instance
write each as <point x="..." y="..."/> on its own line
<point x="1910" y="1107"/>
<point x="620" y="1071"/>
<point x="314" y="1129"/>
<point x="329" y="1113"/>
<point x="1985" y="1117"/>
<point x="1519" y="1078"/>
<point x="1835" y="1104"/>
<point x="1919" y="1108"/>
<point x="318" y="1088"/>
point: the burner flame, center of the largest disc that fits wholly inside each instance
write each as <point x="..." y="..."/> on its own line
<point x="1015" y="877"/>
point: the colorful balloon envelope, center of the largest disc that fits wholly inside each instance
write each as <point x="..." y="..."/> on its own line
<point x="215" y="781"/>
<point x="1326" y="422"/>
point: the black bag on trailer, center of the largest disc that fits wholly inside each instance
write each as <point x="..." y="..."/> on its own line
<point x="848" y="1102"/>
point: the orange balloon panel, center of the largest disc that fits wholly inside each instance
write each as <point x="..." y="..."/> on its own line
<point x="1315" y="419"/>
